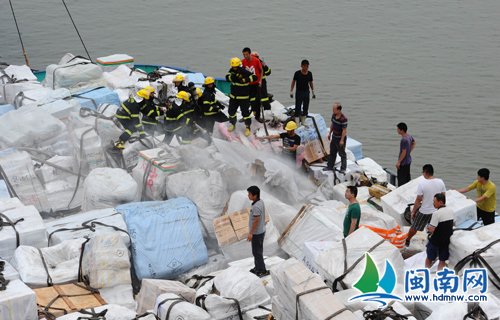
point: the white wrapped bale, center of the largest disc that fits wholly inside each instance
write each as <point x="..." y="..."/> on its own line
<point x="171" y="306"/>
<point x="73" y="72"/>
<point x="9" y="273"/>
<point x="206" y="189"/>
<point x="108" y="188"/>
<point x="121" y="294"/>
<point x="232" y="283"/>
<point x="9" y="204"/>
<point x="27" y="229"/>
<point x="106" y="261"/>
<point x="395" y="202"/>
<point x="114" y="312"/>
<point x="292" y="281"/>
<point x="372" y="169"/>
<point x="38" y="97"/>
<point x="61" y="260"/>
<point x="312" y="249"/>
<point x="152" y="288"/>
<point x="331" y="263"/>
<point x="15" y="89"/>
<point x="89" y="150"/>
<point x="463" y="209"/>
<point x="102" y="221"/>
<point x="18" y="302"/>
<point x="312" y="223"/>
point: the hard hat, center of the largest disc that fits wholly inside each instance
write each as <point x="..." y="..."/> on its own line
<point x="199" y="92"/>
<point x="183" y="95"/>
<point x="209" y="80"/>
<point x="235" y="62"/>
<point x="291" y="125"/>
<point x="178" y="78"/>
<point x="145" y="93"/>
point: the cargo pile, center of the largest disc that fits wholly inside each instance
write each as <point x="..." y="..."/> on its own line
<point x="160" y="231"/>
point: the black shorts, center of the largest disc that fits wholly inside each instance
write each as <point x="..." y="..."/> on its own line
<point x="421" y="220"/>
<point x="434" y="251"/>
<point x="487" y="217"/>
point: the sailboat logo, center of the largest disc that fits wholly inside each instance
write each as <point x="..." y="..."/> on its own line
<point x="375" y="288"/>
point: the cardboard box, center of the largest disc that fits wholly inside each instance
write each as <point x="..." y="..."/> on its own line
<point x="224" y="231"/>
<point x="239" y="219"/>
<point x="313" y="151"/>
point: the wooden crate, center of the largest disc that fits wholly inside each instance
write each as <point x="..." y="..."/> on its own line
<point x="70" y="297"/>
<point x="224" y="231"/>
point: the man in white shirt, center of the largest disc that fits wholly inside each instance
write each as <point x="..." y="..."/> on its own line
<point x="423" y="209"/>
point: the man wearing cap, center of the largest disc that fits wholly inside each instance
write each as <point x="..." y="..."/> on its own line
<point x="129" y="115"/>
<point x="291" y="140"/>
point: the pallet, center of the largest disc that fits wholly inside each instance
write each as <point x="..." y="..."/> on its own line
<point x="67" y="298"/>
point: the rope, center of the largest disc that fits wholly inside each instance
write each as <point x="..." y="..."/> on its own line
<point x="475" y="259"/>
<point x="175" y="301"/>
<point x="81" y="277"/>
<point x="93" y="315"/>
<point x="79" y="166"/>
<point x="386" y="313"/>
<point x="336" y="313"/>
<point x="475" y="312"/>
<point x="49" y="278"/>
<point x="145" y="315"/>
<point x="19" y="34"/>
<point x="198" y="281"/>
<point x="346" y="272"/>
<point x="74" y="25"/>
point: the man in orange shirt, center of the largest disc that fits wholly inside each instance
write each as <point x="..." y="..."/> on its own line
<point x="253" y="64"/>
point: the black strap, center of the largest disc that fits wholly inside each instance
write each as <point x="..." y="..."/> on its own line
<point x="6" y="222"/>
<point x="386" y="313"/>
<point x="297" y="298"/>
<point x="175" y="301"/>
<point x="240" y="314"/>
<point x="81" y="277"/>
<point x="200" y="301"/>
<point x="333" y="315"/>
<point x="346" y="272"/>
<point x="93" y="315"/>
<point x="198" y="281"/>
<point x="475" y="259"/>
<point x="469" y="228"/>
<point x="49" y="278"/>
<point x="64" y="229"/>
<point x="47" y="314"/>
<point x="145" y="315"/>
<point x="475" y="312"/>
<point x="3" y="281"/>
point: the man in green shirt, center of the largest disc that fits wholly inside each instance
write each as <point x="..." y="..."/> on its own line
<point x="353" y="215"/>
<point x="486" y="196"/>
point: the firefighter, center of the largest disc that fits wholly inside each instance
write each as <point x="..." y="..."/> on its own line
<point x="210" y="107"/>
<point x="178" y="118"/>
<point x="240" y="79"/>
<point x="179" y="83"/>
<point x="129" y="115"/>
<point x="150" y="113"/>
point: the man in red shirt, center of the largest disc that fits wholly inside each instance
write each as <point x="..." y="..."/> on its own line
<point x="253" y="65"/>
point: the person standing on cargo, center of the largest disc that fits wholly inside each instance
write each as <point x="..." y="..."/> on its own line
<point x="291" y="140"/>
<point x="338" y="139"/>
<point x="265" y="104"/>
<point x="240" y="79"/>
<point x="252" y="64"/>
<point x="129" y="116"/>
<point x="304" y="80"/>
<point x="406" y="146"/>
<point x="440" y="230"/>
<point x="423" y="208"/>
<point x="257" y="230"/>
<point x="353" y="214"/>
<point x="486" y="196"/>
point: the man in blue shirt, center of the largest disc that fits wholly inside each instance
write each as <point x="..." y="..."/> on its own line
<point x="338" y="138"/>
<point x="406" y="146"/>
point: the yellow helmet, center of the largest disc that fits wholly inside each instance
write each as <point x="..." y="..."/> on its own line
<point x="183" y="95"/>
<point x="178" y="78"/>
<point x="146" y="92"/>
<point x="291" y="125"/>
<point x="199" y="92"/>
<point x="209" y="80"/>
<point x="235" y="62"/>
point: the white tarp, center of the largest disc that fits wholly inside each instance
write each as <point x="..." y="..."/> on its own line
<point x="11" y="90"/>
<point x="236" y="284"/>
<point x="108" y="188"/>
<point x="18" y="302"/>
<point x="152" y="288"/>
<point x="106" y="261"/>
<point x="61" y="260"/>
<point x="88" y="149"/>
<point x="30" y="230"/>
<point x="206" y="189"/>
<point x="171" y="306"/>
<point x="331" y="263"/>
<point x="38" y="97"/>
<point x="395" y="202"/>
<point x="292" y="278"/>
<point x="121" y="294"/>
<point x="101" y="222"/>
<point x="73" y="72"/>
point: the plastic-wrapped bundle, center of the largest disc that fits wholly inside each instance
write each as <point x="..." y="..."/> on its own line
<point x="171" y="306"/>
<point x="108" y="188"/>
<point x="113" y="312"/>
<point x="206" y="189"/>
<point x="18" y="168"/>
<point x="92" y="99"/>
<point x="73" y="72"/>
<point x="88" y="148"/>
<point x="308" y="133"/>
<point x="173" y="223"/>
<point x="38" y="97"/>
<point x="396" y="201"/>
<point x="15" y="76"/>
<point x="106" y="261"/>
<point x="18" y="302"/>
<point x="152" y="288"/>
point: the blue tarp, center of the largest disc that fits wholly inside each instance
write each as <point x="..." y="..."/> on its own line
<point x="93" y="98"/>
<point x="166" y="237"/>
<point x="4" y="108"/>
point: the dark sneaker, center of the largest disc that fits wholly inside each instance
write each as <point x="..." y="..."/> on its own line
<point x="261" y="274"/>
<point x="253" y="271"/>
<point x="327" y="169"/>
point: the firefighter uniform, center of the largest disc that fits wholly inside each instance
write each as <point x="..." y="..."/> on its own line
<point x="150" y="113"/>
<point x="210" y="107"/>
<point x="240" y="95"/>
<point x="129" y="117"/>
<point x="178" y="119"/>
